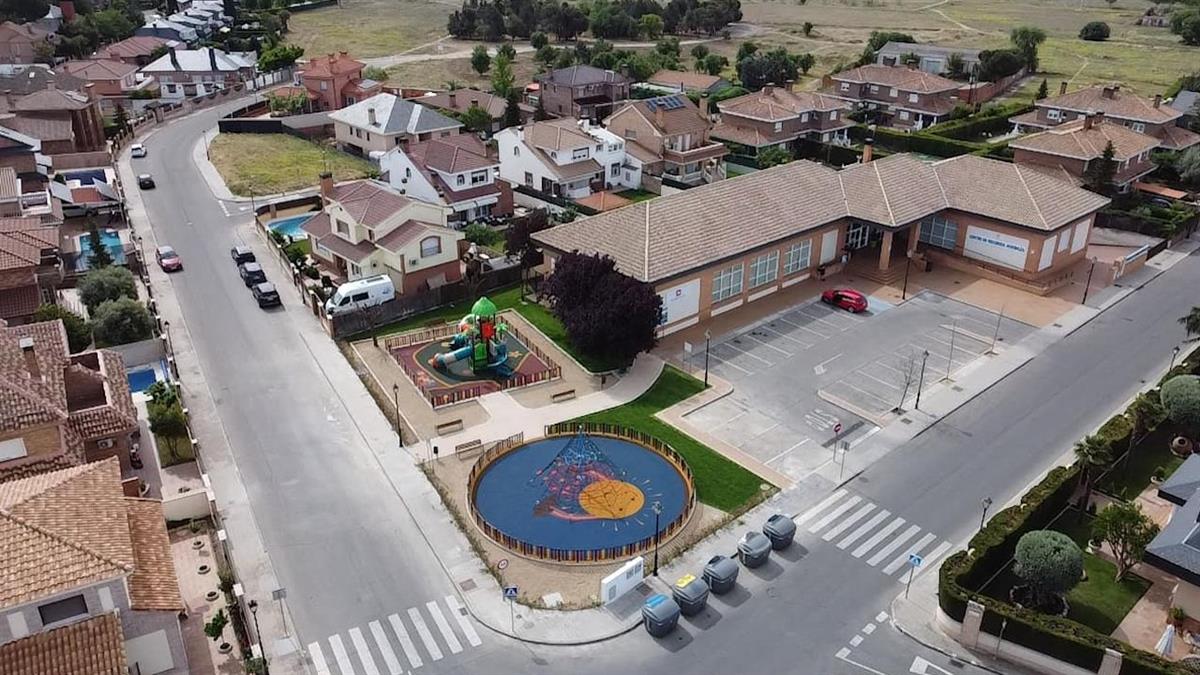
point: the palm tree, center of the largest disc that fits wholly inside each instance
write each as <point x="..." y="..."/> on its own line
<point x="1191" y="322"/>
<point x="1145" y="413"/>
<point x="1091" y="453"/>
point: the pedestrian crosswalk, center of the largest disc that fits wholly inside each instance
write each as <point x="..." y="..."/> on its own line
<point x="376" y="650"/>
<point x="879" y="539"/>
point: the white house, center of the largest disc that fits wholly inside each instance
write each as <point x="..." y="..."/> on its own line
<point x="184" y="73"/>
<point x="566" y="158"/>
<point x="454" y="171"/>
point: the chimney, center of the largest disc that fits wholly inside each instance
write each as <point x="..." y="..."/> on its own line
<point x="702" y="106"/>
<point x="660" y="117"/>
<point x="1062" y="88"/>
<point x="789" y="85"/>
<point x="371" y="116"/>
<point x="174" y="60"/>
<point x="212" y="59"/>
<point x="89" y="90"/>
<point x="326" y="186"/>
<point x="869" y="145"/>
<point x="768" y="90"/>
<point x="475" y="102"/>
<point x="332" y="57"/>
<point x="1157" y="100"/>
<point x="453" y="100"/>
<point x="31" y="362"/>
<point x="1110" y="91"/>
<point x="344" y="53"/>
<point x="1089" y="119"/>
<point x="1099" y="117"/>
<point x="68" y="10"/>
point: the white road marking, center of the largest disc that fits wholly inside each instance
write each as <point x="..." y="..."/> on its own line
<point x="902" y="559"/>
<point x="868" y="629"/>
<point x="426" y="637"/>
<point x="464" y="622"/>
<point x="848" y="521"/>
<point x="787" y="336"/>
<point x="863" y="529"/>
<point x="723" y="362"/>
<point x="885" y="383"/>
<point x="780" y="455"/>
<point x="444" y="626"/>
<point x="829" y="517"/>
<point x="856" y="640"/>
<point x="340" y="655"/>
<point x="747" y="353"/>
<point x="893" y="545"/>
<point x="385" y="648"/>
<point x="767" y="344"/>
<point x="406" y="643"/>
<point x="881" y="617"/>
<point x="364" y="652"/>
<point x="878" y="537"/>
<point x="318" y="658"/>
<point x="803" y="327"/>
<point x="844" y="654"/>
<point x="826" y="503"/>
<point x="737" y="416"/>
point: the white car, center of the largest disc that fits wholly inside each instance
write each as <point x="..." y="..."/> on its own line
<point x="137" y="150"/>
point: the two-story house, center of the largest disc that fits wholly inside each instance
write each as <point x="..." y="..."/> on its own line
<point x="459" y="101"/>
<point x="168" y="30"/>
<point x="1144" y="115"/>
<point x="386" y="121"/>
<point x="22" y="153"/>
<point x="566" y="158"/>
<point x="60" y="409"/>
<point x="582" y="92"/>
<point x="905" y="97"/>
<point x="47" y="112"/>
<point x="138" y="50"/>
<point x="775" y="117"/>
<point x="455" y="172"/>
<point x="1069" y="149"/>
<point x="367" y="227"/>
<point x="89" y="583"/>
<point x="1188" y="103"/>
<point x="185" y="73"/>
<point x="23" y="43"/>
<point x="29" y="267"/>
<point x="670" y="136"/>
<point x="113" y="80"/>
<point x="335" y="81"/>
<point x="929" y="58"/>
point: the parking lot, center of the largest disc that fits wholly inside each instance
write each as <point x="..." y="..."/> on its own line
<point x="798" y="374"/>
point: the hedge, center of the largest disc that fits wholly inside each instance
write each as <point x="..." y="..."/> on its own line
<point x="991" y="119"/>
<point x="557" y="201"/>
<point x="918" y="141"/>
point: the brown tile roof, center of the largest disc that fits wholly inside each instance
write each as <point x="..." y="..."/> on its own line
<point x="679" y="114"/>
<point x="677" y="233"/>
<point x="494" y="105"/>
<point x="452" y="196"/>
<point x="355" y="253"/>
<point x="461" y="155"/>
<point x="604" y="201"/>
<point x="116" y="416"/>
<point x="98" y="69"/>
<point x="331" y="64"/>
<point x="1080" y="140"/>
<point x="902" y="78"/>
<point x="153" y="584"/>
<point x="745" y="135"/>
<point x="19" y="302"/>
<point x="558" y="134"/>
<point x="289" y="91"/>
<point x="41" y="128"/>
<point x="318" y="226"/>
<point x="51" y="99"/>
<point x="92" y="647"/>
<point x="775" y="104"/>
<point x="138" y="45"/>
<point x="688" y="81"/>
<point x="24" y="400"/>
<point x="406" y="233"/>
<point x="578" y="169"/>
<point x="642" y="153"/>
<point x="1029" y="119"/>
<point x="577" y="75"/>
<point x="1112" y="102"/>
<point x="1178" y="138"/>
<point x="369" y="202"/>
<point x="24" y="31"/>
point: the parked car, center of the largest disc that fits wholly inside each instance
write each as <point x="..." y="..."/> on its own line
<point x="266" y="295"/>
<point x="241" y="254"/>
<point x="845" y="298"/>
<point x="146" y="181"/>
<point x="137" y="150"/>
<point x="252" y="273"/>
<point x="168" y="259"/>
<point x="360" y="293"/>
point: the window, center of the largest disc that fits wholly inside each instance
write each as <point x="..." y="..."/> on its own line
<point x="631" y="134"/>
<point x="516" y="151"/>
<point x="431" y="246"/>
<point x="13" y="448"/>
<point x="893" y="93"/>
<point x="444" y="134"/>
<point x="904" y="114"/>
<point x="579" y="153"/>
<point x="1053" y="114"/>
<point x="407" y="171"/>
<point x="341" y="227"/>
<point x="599" y="147"/>
<point x="64" y="609"/>
<point x="764" y="269"/>
<point x="727" y="283"/>
<point x="798" y="257"/>
<point x="939" y="231"/>
<point x="845" y="86"/>
<point x="803" y="117"/>
<point x="615" y="170"/>
<point x="398" y="140"/>
<point x="913" y="98"/>
<point x="874" y="89"/>
<point x="833" y="114"/>
<point x="355" y="271"/>
<point x="478" y="177"/>
<point x="359" y="297"/>
<point x="528" y="179"/>
<point x="460" y="179"/>
<point x="370" y="234"/>
<point x="778" y="126"/>
<point x="1139" y="127"/>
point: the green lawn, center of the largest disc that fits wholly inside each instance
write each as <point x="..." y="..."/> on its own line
<point x="1127" y="480"/>
<point x="183" y="450"/>
<point x="265" y="164"/>
<point x="637" y="195"/>
<point x="719" y="482"/>
<point x="300" y="245"/>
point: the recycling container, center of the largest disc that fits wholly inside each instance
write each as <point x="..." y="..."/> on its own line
<point x="754" y="549"/>
<point x="660" y="615"/>
<point x="781" y="530"/>
<point x="691" y="594"/>
<point x="721" y="574"/>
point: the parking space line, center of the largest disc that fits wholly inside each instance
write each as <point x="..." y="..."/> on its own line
<point x="751" y="355"/>
<point x="803" y="327"/>
<point x="768" y="344"/>
<point x="864" y="391"/>
<point x="786" y="336"/>
<point x="883" y="382"/>
<point x="780" y="455"/>
<point x="723" y="362"/>
<point x="737" y="416"/>
<point x="818" y="318"/>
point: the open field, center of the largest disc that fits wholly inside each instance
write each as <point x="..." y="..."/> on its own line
<point x="368" y="28"/>
<point x="272" y="163"/>
<point x="435" y="74"/>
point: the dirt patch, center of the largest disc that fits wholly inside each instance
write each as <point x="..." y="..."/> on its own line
<point x="368" y="28"/>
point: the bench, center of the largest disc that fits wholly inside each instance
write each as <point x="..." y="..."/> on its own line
<point x="562" y="396"/>
<point x="468" y="446"/>
<point x="449" y="427"/>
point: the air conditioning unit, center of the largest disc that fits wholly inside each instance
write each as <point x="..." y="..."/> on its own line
<point x="105" y="443"/>
<point x="413" y="262"/>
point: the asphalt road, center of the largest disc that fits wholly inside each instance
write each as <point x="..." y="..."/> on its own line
<point x="347" y="552"/>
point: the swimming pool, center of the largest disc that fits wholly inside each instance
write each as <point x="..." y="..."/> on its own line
<point x="290" y="226"/>
<point x="110" y="238"/>
<point x="141" y="377"/>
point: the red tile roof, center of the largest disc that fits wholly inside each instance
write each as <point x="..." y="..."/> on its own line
<point x="98" y="69"/>
<point x="904" y="79"/>
<point x="19" y="302"/>
<point x="133" y="47"/>
<point x="330" y="65"/>
<point x="369" y="202"/>
<point x="92" y="647"/>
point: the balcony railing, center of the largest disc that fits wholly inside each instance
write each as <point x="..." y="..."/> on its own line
<point x="697" y="154"/>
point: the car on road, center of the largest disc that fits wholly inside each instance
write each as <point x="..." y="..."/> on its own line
<point x="266" y="295"/>
<point x="146" y="181"/>
<point x="137" y="150"/>
<point x="168" y="259"/>
<point x="845" y="298"/>
<point x="252" y="273"/>
<point x="242" y="254"/>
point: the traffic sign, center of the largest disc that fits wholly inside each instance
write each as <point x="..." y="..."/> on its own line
<point x="502" y="564"/>
<point x="915" y="560"/>
<point x="837" y="428"/>
<point x="510" y="592"/>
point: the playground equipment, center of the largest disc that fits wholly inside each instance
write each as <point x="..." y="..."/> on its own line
<point x="479" y="342"/>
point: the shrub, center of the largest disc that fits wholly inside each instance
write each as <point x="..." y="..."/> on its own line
<point x="1095" y="31"/>
<point x="1181" y="397"/>
<point x="1127" y="531"/>
<point x="483" y="235"/>
<point x="1049" y="562"/>
<point x="79" y="331"/>
<point x="102" y="285"/>
<point x="119" y="322"/>
<point x="169" y="425"/>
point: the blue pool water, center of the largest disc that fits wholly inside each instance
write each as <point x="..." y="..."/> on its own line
<point x="141" y="379"/>
<point x="290" y="226"/>
<point x="110" y="239"/>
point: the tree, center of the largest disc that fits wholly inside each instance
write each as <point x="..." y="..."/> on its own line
<point x="512" y="111"/>
<point x="518" y="239"/>
<point x="1050" y="563"/>
<point x="23" y="11"/>
<point x="773" y="67"/>
<point x="508" y="51"/>
<point x="807" y="28"/>
<point x="1186" y="24"/>
<point x="1145" y="413"/>
<point x="1099" y="173"/>
<point x="699" y="52"/>
<point x="712" y="64"/>
<point x="805" y="62"/>
<point x="99" y="256"/>
<point x="502" y="76"/>
<point x="1092" y="454"/>
<point x="375" y="73"/>
<point x="101" y="285"/>
<point x="1181" y="397"/>
<point x="119" y="322"/>
<point x="956" y="67"/>
<point x="1094" y="31"/>
<point x="215" y="628"/>
<point x="566" y="59"/>
<point x="538" y="40"/>
<point x="1188" y="163"/>
<point x="162" y="393"/>
<point x="567" y="22"/>
<point x="480" y="61"/>
<point x="995" y="64"/>
<point x="908" y="367"/>
<point x="121" y="118"/>
<point x="1043" y="90"/>
<point x="773" y="156"/>
<point x="79" y="332"/>
<point x="1026" y="39"/>
<point x="651" y="26"/>
<point x="281" y="55"/>
<point x="1127" y="531"/>
<point x="668" y="47"/>
<point x="746" y="50"/>
<point x="169" y="425"/>
<point x="880" y="38"/>
<point x="477" y="119"/>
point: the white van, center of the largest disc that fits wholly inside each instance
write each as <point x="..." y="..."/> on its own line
<point x="367" y="292"/>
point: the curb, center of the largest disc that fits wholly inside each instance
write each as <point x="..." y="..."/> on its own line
<point x="929" y="645"/>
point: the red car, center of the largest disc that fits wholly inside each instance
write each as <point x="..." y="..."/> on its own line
<point x="168" y="259"/>
<point x="848" y="299"/>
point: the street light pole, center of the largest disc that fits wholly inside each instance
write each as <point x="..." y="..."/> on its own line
<point x="1174" y="355"/>
<point x="707" y="342"/>
<point x="657" y="512"/>
<point x="258" y="636"/>
<point x="399" y="424"/>
<point x="986" y="503"/>
<point x="907" y="265"/>
<point x="921" y="382"/>
<point x="950" y="361"/>
<point x="1088" y="287"/>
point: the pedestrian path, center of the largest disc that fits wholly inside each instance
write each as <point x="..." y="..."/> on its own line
<point x="398" y="643"/>
<point x="872" y="534"/>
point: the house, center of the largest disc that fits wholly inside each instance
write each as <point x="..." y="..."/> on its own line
<point x="168" y="30"/>
<point x="185" y="73"/>
<point x="335" y="81"/>
<point x="669" y="135"/>
<point x="1188" y="103"/>
<point x="716" y="247"/>
<point x="89" y="584"/>
<point x="138" y="50"/>
<point x="1070" y="149"/>
<point x="366" y="227"/>
<point x="111" y="79"/>
<point x="1176" y="549"/>
<point x="202" y="27"/>
<point x="459" y="101"/>
<point x="930" y="58"/>
<point x="775" y="117"/>
<point x="566" y="158"/>
<point x="904" y="97"/>
<point x="582" y="92"/>
<point x="386" y="121"/>
<point x="60" y="410"/>
<point x="53" y="108"/>
<point x="24" y="43"/>
<point x="455" y="172"/>
<point x="683" y="81"/>
<point x="17" y="80"/>
<point x="21" y="153"/>
<point x="1143" y="115"/>
<point x="30" y="271"/>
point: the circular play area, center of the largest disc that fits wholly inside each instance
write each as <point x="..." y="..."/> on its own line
<point x="582" y="494"/>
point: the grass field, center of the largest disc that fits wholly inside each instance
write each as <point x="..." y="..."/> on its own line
<point x="436" y="74"/>
<point x="367" y="28"/>
<point x="272" y="163"/>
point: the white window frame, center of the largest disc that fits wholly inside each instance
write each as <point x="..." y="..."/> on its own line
<point x="893" y="92"/>
<point x="727" y="283"/>
<point x="778" y="127"/>
<point x="804" y="117"/>
<point x="874" y="89"/>
<point x="579" y="154"/>
<point x="833" y="114"/>
<point x="914" y="98"/>
<point x="904" y="115"/>
<point x="798" y="257"/>
<point x="845" y="86"/>
<point x="1139" y="127"/>
<point x="764" y="269"/>
<point x="479" y="177"/>
<point x="1054" y="114"/>
<point x="428" y="252"/>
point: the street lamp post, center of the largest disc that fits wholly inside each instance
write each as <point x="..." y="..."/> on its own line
<point x="986" y="503"/>
<point x="707" y="342"/>
<point x="657" y="512"/>
<point x="921" y="382"/>
<point x="258" y="636"/>
<point x="1174" y="355"/>
<point x="907" y="265"/>
<point x="1088" y="286"/>
<point x="399" y="424"/>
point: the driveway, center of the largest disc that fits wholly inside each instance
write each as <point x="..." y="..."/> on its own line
<point x="799" y="374"/>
